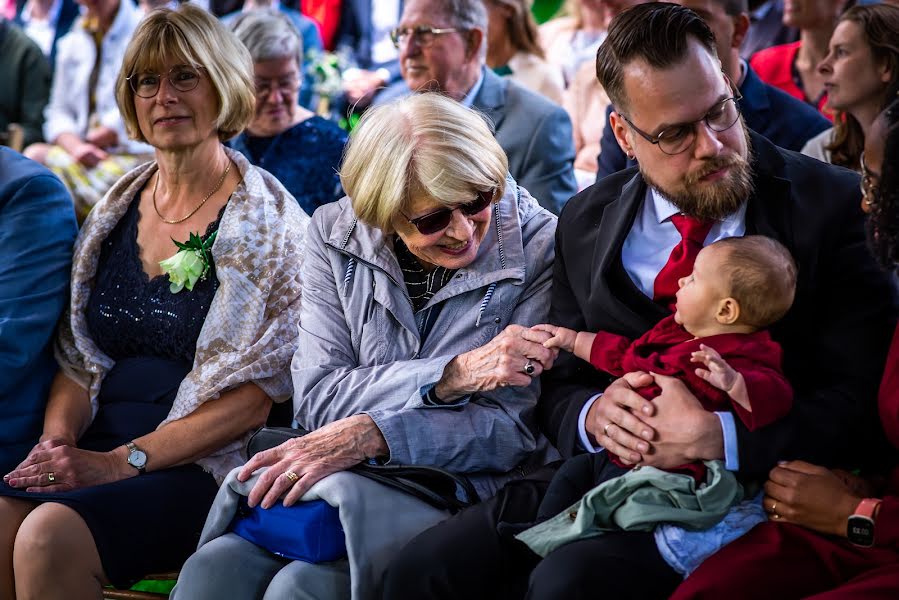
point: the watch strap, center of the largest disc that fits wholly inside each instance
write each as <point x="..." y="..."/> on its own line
<point x="867" y="508"/>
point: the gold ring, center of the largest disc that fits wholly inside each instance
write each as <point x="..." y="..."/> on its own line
<point x="775" y="516"/>
<point x="291" y="476"/>
<point x="774" y="507"/>
<point x="605" y="429"/>
<point x="51" y="476"/>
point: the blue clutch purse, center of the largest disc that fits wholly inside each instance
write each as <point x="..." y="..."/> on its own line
<point x="307" y="531"/>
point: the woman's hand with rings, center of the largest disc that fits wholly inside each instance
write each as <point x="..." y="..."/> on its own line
<point x="64" y="468"/>
<point x="297" y="464"/>
<point x="501" y="362"/>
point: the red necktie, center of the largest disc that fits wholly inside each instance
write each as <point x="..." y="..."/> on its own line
<point x="680" y="264"/>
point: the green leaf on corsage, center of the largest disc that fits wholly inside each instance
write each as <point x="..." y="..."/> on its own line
<point x="190" y="264"/>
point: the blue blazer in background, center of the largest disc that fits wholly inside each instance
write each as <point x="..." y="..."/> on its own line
<point x="784" y="120"/>
<point x="37" y="232"/>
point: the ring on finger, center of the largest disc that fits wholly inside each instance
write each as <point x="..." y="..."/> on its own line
<point x="605" y="429"/>
<point x="529" y="367"/>
<point x="51" y="477"/>
<point x="291" y="476"/>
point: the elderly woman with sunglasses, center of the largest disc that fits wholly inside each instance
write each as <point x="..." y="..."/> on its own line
<point x="414" y="349"/>
<point x="169" y="354"/>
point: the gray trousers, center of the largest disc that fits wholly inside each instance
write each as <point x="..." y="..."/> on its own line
<point x="231" y="567"/>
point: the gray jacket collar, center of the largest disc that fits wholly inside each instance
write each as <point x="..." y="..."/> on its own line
<point x="500" y="257"/>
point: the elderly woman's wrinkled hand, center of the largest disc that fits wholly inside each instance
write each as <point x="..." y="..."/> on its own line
<point x="65" y="467"/>
<point x="512" y="358"/>
<point x="297" y="464"/>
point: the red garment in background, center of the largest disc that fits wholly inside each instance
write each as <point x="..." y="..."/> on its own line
<point x="666" y="349"/>
<point x="327" y="14"/>
<point x="774" y="66"/>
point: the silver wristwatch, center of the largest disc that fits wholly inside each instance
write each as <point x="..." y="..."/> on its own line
<point x="137" y="458"/>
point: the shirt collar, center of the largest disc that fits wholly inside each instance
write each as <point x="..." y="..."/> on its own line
<point x="468" y="100"/>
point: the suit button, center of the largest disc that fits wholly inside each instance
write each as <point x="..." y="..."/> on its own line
<point x="497" y="320"/>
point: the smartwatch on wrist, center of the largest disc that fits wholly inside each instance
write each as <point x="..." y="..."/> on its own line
<point x="860" y="527"/>
<point x="137" y="458"/>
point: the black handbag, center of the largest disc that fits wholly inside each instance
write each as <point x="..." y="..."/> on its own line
<point x="438" y="487"/>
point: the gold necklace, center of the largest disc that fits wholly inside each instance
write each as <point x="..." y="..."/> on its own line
<point x="217" y="187"/>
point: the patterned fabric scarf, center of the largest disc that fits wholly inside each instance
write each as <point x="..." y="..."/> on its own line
<point x="250" y="332"/>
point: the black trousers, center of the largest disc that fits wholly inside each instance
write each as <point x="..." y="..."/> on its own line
<point x="474" y="554"/>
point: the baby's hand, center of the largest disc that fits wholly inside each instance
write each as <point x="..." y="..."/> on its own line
<point x="717" y="371"/>
<point x="561" y="337"/>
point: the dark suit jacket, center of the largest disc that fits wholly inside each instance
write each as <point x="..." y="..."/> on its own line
<point x="354" y="36"/>
<point x="784" y="120"/>
<point x="834" y="338"/>
<point x="768" y="31"/>
<point x="68" y="12"/>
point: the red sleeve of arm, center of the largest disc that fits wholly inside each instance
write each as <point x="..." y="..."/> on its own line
<point x="770" y="396"/>
<point x="608" y="352"/>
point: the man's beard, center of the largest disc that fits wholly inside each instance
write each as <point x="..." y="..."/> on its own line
<point x="717" y="201"/>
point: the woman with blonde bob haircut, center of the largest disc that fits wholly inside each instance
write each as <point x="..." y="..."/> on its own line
<point x="185" y="38"/>
<point x="413" y="350"/>
<point x="169" y="353"/>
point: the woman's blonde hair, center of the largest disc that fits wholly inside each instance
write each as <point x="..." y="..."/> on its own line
<point x="422" y="144"/>
<point x="522" y="28"/>
<point x="191" y="36"/>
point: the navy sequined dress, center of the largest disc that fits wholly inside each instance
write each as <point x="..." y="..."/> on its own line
<point x="304" y="158"/>
<point x="152" y="522"/>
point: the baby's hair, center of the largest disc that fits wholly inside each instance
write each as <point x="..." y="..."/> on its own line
<point x="761" y="275"/>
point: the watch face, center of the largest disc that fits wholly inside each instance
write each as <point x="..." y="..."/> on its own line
<point x="137" y="459"/>
<point x="860" y="531"/>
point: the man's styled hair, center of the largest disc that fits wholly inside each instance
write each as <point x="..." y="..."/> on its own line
<point x="656" y="32"/>
<point x="761" y="275"/>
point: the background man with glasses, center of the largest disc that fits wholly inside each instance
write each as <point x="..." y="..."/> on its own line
<point x="613" y="243"/>
<point x="443" y="47"/>
<point x="784" y="120"/>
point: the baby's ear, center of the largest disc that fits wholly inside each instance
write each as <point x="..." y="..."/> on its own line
<point x="728" y="311"/>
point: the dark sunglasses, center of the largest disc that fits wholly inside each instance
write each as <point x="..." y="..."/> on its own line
<point x="440" y="219"/>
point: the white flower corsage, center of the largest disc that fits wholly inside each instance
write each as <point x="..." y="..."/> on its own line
<point x="190" y="264"/>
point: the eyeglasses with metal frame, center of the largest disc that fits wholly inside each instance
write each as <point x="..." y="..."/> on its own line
<point x="678" y="138"/>
<point x="183" y="78"/>
<point x="439" y="220"/>
<point x="424" y="35"/>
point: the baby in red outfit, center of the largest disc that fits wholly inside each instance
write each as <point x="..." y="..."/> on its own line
<point x="716" y="341"/>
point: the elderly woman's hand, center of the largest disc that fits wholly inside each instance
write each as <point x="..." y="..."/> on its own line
<point x="512" y="358"/>
<point x="299" y="463"/>
<point x="811" y="496"/>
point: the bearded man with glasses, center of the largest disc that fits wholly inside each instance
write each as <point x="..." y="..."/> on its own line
<point x="618" y="250"/>
<point x="443" y="47"/>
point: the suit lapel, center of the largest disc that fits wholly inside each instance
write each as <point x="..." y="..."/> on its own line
<point x="621" y="306"/>
<point x="768" y="211"/>
<point x="491" y="98"/>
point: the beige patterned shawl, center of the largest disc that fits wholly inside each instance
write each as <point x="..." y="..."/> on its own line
<point x="250" y="332"/>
